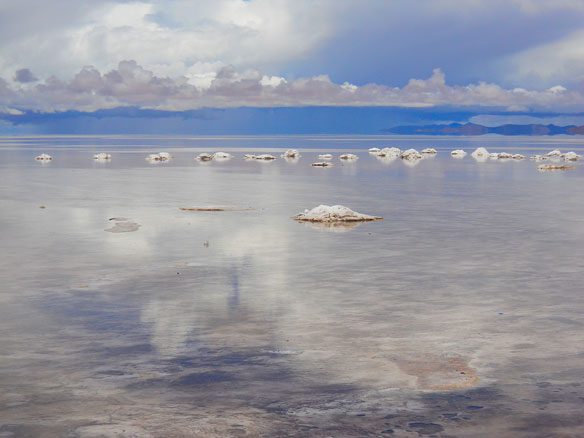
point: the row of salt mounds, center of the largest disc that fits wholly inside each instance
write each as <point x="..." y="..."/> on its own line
<point x="43" y="157"/>
<point x="160" y="156"/>
<point x="102" y="157"/>
<point x="349" y="157"/>
<point x="556" y="155"/>
<point x="264" y="157"/>
<point x="333" y="213"/>
<point x="291" y="153"/>
<point x="325" y="157"/>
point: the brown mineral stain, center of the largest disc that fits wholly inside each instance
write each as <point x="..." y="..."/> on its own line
<point x="439" y="373"/>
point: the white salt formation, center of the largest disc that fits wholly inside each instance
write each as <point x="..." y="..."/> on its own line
<point x="161" y="156"/>
<point x="504" y="156"/>
<point x="411" y="155"/>
<point x="552" y="167"/>
<point x="349" y="157"/>
<point x="429" y="151"/>
<point x="222" y="156"/>
<point x="518" y="157"/>
<point x="458" y="153"/>
<point x="265" y="157"/>
<point x="204" y="157"/>
<point x="555" y="153"/>
<point x="538" y="158"/>
<point x="322" y="164"/>
<point x="389" y="152"/>
<point x="43" y="157"/>
<point x="374" y="150"/>
<point x="480" y="153"/>
<point x="494" y="156"/>
<point x="572" y="156"/>
<point x="291" y="153"/>
<point x="325" y="157"/>
<point x="123" y="225"/>
<point x="333" y="213"/>
<point x="102" y="156"/>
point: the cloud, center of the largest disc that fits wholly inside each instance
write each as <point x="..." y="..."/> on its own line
<point x="132" y="85"/>
<point x="24" y="75"/>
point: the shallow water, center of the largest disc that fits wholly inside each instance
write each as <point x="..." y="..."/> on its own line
<point x="459" y="314"/>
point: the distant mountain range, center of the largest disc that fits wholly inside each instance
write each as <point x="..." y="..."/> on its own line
<point x="474" y="129"/>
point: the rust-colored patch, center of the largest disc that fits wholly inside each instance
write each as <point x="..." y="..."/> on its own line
<point x="439" y="373"/>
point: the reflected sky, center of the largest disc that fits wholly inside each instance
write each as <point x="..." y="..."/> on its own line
<point x="466" y="294"/>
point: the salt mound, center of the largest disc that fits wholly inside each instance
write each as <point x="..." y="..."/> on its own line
<point x="334" y="213"/>
<point x="265" y="157"/>
<point x="411" y="155"/>
<point x="291" y="153"/>
<point x="458" y="153"/>
<point x="504" y="155"/>
<point x="572" y="156"/>
<point x="349" y="157"/>
<point x="43" y="157"/>
<point x="538" y="158"/>
<point x="374" y="150"/>
<point x="552" y="167"/>
<point x="222" y="156"/>
<point x="429" y="151"/>
<point x="161" y="156"/>
<point x="123" y="225"/>
<point x="389" y="152"/>
<point x="480" y="153"/>
<point x="554" y="153"/>
<point x="322" y="164"/>
<point x="102" y="156"/>
<point x="518" y="157"/>
<point x="204" y="157"/>
<point x="325" y="157"/>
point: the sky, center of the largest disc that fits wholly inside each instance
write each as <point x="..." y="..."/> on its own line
<point x="218" y="66"/>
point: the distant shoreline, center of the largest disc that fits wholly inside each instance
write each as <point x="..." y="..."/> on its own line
<point x="472" y="129"/>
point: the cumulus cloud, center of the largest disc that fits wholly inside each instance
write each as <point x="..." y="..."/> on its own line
<point x="24" y="75"/>
<point x="132" y="85"/>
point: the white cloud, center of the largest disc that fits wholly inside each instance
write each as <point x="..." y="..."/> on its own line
<point x="132" y="85"/>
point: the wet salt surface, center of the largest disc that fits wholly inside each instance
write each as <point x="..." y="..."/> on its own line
<point x="459" y="314"/>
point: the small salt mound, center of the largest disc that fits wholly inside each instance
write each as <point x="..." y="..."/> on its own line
<point x="102" y="156"/>
<point x="554" y="153"/>
<point x="389" y="152"/>
<point x="552" y="167"/>
<point x="349" y="157"/>
<point x="161" y="156"/>
<point x="325" y="157"/>
<point x="291" y="153"/>
<point x="222" y="156"/>
<point x="538" y="158"/>
<point x="123" y="225"/>
<point x="264" y="157"/>
<point x="411" y="155"/>
<point x="322" y="164"/>
<point x="374" y="150"/>
<point x="519" y="157"/>
<point x="43" y="157"/>
<point x="429" y="151"/>
<point x="480" y="152"/>
<point x="334" y="213"/>
<point x="504" y="156"/>
<point x="572" y="156"/>
<point x="204" y="157"/>
<point x="458" y="153"/>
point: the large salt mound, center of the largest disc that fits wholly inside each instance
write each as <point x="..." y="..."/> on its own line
<point x="480" y="154"/>
<point x="333" y="213"/>
<point x="411" y="154"/>
<point x="291" y="153"/>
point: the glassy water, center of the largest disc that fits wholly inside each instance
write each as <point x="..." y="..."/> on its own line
<point x="459" y="314"/>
